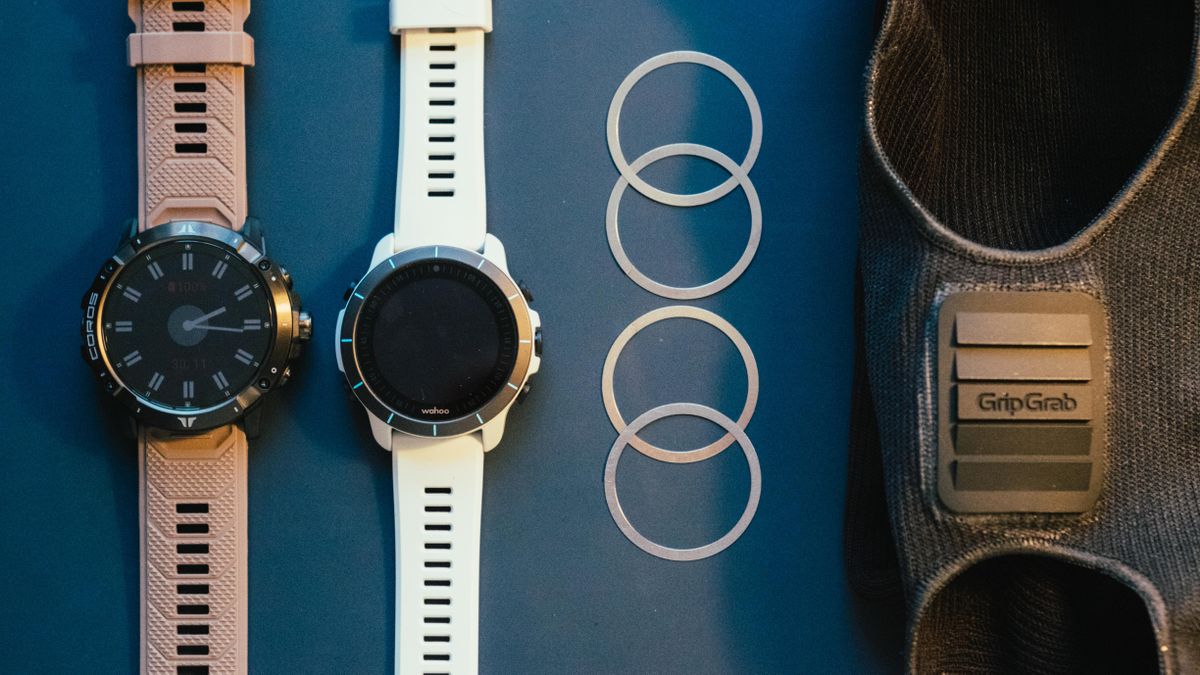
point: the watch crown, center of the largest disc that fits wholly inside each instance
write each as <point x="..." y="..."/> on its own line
<point x="525" y="292"/>
<point x="287" y="277"/>
<point x="304" y="327"/>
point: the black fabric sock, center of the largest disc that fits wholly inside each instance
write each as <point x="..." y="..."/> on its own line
<point x="1016" y="121"/>
<point x="1029" y="614"/>
<point x="1015" y="124"/>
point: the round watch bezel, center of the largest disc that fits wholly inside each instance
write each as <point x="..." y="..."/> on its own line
<point x="476" y="419"/>
<point x="284" y="311"/>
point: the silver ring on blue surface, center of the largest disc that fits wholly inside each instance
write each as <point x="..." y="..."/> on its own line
<point x="738" y="176"/>
<point x="614" y="127"/>
<point x="614" y="503"/>
<point x="608" y="391"/>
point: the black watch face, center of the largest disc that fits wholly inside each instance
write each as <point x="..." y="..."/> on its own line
<point x="186" y="325"/>
<point x="436" y="340"/>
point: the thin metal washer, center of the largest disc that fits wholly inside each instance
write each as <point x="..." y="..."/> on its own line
<point x="716" y="285"/>
<point x="662" y="314"/>
<point x="614" y="503"/>
<point x="614" y="127"/>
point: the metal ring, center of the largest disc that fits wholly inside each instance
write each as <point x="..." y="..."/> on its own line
<point x="662" y="314"/>
<point x="716" y="285"/>
<point x="614" y="127"/>
<point x="614" y="504"/>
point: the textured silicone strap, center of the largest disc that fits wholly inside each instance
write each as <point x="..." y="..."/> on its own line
<point x="439" y="493"/>
<point x="190" y="59"/>
<point x="191" y="132"/>
<point x="193" y="540"/>
<point x="441" y="195"/>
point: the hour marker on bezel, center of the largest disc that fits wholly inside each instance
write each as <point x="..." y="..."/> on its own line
<point x="156" y="270"/>
<point x="123" y="326"/>
<point x="189" y="390"/>
<point x="156" y="381"/>
<point x="132" y="294"/>
<point x="244" y="356"/>
<point x="220" y="380"/>
<point x="243" y="292"/>
<point x="189" y="261"/>
<point x="219" y="270"/>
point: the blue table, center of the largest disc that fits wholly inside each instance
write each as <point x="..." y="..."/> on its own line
<point x="563" y="591"/>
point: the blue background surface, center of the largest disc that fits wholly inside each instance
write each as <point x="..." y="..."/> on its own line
<point x="563" y="591"/>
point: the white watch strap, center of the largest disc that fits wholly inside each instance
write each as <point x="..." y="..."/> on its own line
<point x="193" y="540"/>
<point x="441" y="194"/>
<point x="438" y="489"/>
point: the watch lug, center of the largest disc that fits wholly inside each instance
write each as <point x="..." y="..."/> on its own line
<point x="381" y="431"/>
<point x="493" y="431"/>
<point x="128" y="231"/>
<point x="337" y="340"/>
<point x="252" y="422"/>
<point x="252" y="232"/>
<point x="493" y="250"/>
<point x="130" y="427"/>
<point x="383" y="250"/>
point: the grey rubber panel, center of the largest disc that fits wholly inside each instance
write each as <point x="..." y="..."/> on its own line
<point x="999" y="363"/>
<point x="1023" y="439"/>
<point x="1025" y="476"/>
<point x="1022" y="389"/>
<point x="1023" y="329"/>
<point x="1004" y="401"/>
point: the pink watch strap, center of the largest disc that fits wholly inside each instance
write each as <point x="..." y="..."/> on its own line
<point x="190" y="59"/>
<point x="193" y="539"/>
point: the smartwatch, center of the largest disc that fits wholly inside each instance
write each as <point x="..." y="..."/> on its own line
<point x="437" y="341"/>
<point x="188" y="326"/>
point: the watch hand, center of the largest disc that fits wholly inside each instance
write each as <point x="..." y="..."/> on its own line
<point x="225" y="329"/>
<point x="189" y="325"/>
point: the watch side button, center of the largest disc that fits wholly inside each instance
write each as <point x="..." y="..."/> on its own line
<point x="525" y="292"/>
<point x="537" y="342"/>
<point x="304" y="327"/>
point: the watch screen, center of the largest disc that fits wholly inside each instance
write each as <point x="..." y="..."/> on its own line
<point x="436" y="340"/>
<point x="186" y="325"/>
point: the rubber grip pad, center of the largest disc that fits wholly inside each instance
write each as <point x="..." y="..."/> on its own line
<point x="1022" y="389"/>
